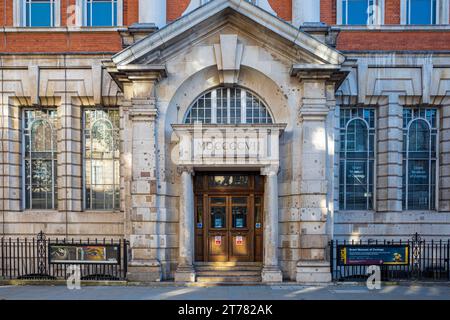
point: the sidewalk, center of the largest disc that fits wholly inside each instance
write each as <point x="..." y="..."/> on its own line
<point x="426" y="291"/>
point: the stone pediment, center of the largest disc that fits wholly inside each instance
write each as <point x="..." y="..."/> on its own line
<point x="239" y="15"/>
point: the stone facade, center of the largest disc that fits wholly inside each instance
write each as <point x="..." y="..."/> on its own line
<point x="299" y="75"/>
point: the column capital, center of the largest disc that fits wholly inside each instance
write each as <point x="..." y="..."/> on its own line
<point x="188" y="169"/>
<point x="270" y="170"/>
<point x="143" y="114"/>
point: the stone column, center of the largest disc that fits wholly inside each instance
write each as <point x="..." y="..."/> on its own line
<point x="271" y="271"/>
<point x="314" y="206"/>
<point x="389" y="155"/>
<point x="185" y="271"/>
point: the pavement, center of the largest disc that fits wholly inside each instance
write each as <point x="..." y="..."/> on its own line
<point x="412" y="291"/>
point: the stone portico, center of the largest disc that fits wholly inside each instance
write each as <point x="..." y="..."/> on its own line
<point x="226" y="43"/>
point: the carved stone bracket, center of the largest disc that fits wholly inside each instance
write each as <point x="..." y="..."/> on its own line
<point x="228" y="58"/>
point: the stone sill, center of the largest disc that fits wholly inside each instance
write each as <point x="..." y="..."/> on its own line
<point x="393" y="28"/>
<point x="387" y="212"/>
<point x="59" y="29"/>
<point x="43" y="211"/>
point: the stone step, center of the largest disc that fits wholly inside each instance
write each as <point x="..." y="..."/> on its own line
<point x="237" y="273"/>
<point x="229" y="264"/>
<point x="227" y="269"/>
<point x="228" y="279"/>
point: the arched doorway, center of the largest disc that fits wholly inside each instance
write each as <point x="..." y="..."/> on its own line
<point x="228" y="205"/>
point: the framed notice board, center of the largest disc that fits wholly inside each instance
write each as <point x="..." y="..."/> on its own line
<point x="361" y="255"/>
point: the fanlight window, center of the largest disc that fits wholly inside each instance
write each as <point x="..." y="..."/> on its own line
<point x="356" y="168"/>
<point x="419" y="158"/>
<point x="39" y="159"/>
<point x="228" y="106"/>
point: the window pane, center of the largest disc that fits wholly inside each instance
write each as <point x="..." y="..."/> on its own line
<point x="422" y="11"/>
<point x="39" y="159"/>
<point x="419" y="159"/>
<point x="357" y="158"/>
<point x="229" y="108"/>
<point x="101" y="153"/>
<point x="356" y="12"/>
<point x="39" y="13"/>
<point x="101" y="13"/>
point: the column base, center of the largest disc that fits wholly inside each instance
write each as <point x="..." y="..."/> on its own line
<point x="185" y="274"/>
<point x="271" y="274"/>
<point x="144" y="271"/>
<point x="313" y="272"/>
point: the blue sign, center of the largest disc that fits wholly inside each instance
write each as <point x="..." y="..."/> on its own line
<point x="218" y="223"/>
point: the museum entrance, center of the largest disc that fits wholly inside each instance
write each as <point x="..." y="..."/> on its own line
<point x="229" y="217"/>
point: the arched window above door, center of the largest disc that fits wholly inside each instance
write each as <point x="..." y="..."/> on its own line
<point x="228" y="106"/>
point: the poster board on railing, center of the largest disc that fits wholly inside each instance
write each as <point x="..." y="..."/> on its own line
<point x="84" y="253"/>
<point x="363" y="255"/>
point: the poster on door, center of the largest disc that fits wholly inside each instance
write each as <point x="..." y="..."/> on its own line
<point x="218" y="240"/>
<point x="239" y="240"/>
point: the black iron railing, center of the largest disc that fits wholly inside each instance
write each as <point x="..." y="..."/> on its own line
<point x="427" y="260"/>
<point x="29" y="258"/>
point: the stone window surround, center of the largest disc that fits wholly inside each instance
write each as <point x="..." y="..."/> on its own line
<point x="18" y="19"/>
<point x="436" y="158"/>
<point x="375" y="198"/>
<point x="60" y="131"/>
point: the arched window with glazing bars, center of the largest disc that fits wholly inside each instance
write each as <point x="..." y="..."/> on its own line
<point x="419" y="158"/>
<point x="356" y="167"/>
<point x="228" y="106"/>
<point x="101" y="159"/>
<point x="39" y="159"/>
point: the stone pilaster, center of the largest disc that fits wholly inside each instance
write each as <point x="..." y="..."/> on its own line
<point x="313" y="266"/>
<point x="389" y="155"/>
<point x="185" y="271"/>
<point x="142" y="200"/>
<point x="10" y="155"/>
<point x="69" y="157"/>
<point x="144" y="237"/>
<point x="444" y="158"/>
<point x="271" y="270"/>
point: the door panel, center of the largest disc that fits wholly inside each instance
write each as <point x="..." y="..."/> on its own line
<point x="218" y="246"/>
<point x="229" y="219"/>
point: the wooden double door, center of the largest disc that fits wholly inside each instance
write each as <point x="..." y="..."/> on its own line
<point x="229" y="212"/>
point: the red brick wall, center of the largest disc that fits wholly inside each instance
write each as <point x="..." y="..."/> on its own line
<point x="131" y="12"/>
<point x="392" y="12"/>
<point x="393" y="40"/>
<point x="328" y="11"/>
<point x="175" y="8"/>
<point x="283" y="8"/>
<point x="110" y="41"/>
<point x="58" y="42"/>
<point x="6" y="18"/>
